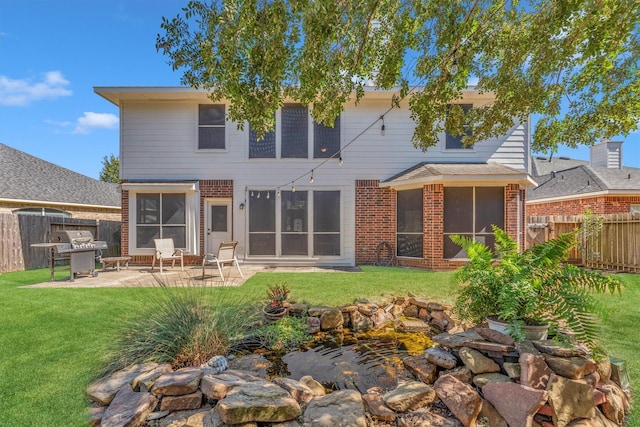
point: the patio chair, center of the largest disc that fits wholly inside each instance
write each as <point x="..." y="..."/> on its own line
<point x="166" y="251"/>
<point x="226" y="256"/>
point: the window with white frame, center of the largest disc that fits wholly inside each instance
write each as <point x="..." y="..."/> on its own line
<point x="211" y="127"/>
<point x="409" y="223"/>
<point x="293" y="142"/>
<point x="470" y="212"/>
<point x="283" y="226"/>
<point x="454" y="142"/>
<point x="159" y="216"/>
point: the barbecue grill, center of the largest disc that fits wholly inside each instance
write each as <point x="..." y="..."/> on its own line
<point x="78" y="247"/>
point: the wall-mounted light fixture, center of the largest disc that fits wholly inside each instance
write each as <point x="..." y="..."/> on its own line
<point x="241" y="207"/>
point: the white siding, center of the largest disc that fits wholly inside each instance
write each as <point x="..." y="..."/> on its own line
<point x="159" y="139"/>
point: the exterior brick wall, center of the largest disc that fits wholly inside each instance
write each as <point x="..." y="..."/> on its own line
<point x="597" y="204"/>
<point x="216" y="188"/>
<point x="375" y="220"/>
<point x="80" y="212"/>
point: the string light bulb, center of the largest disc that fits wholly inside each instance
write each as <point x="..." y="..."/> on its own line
<point x="278" y="192"/>
<point x="454" y="65"/>
<point x="382" y="128"/>
<point x="268" y="194"/>
<point x="258" y="194"/>
<point x="251" y="193"/>
<point x="311" y="179"/>
<point x="293" y="188"/>
<point x="340" y="161"/>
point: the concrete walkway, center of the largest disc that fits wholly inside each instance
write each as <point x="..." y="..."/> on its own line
<point x="141" y="276"/>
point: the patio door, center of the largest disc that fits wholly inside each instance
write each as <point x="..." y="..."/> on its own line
<point x="217" y="224"/>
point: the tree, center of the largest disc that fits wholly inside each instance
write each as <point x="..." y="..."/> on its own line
<point x="110" y="169"/>
<point x="573" y="63"/>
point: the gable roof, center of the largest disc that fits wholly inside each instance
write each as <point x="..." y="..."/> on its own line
<point x="564" y="177"/>
<point x="26" y="178"/>
<point x="425" y="173"/>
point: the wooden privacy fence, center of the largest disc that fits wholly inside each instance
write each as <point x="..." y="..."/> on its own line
<point x="18" y="232"/>
<point x="613" y="246"/>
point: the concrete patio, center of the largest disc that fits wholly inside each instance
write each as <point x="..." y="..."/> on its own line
<point x="143" y="276"/>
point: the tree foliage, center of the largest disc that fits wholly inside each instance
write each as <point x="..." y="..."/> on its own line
<point x="110" y="169"/>
<point x="572" y="62"/>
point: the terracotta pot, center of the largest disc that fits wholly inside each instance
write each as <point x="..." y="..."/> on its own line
<point x="274" y="313"/>
<point x="537" y="332"/>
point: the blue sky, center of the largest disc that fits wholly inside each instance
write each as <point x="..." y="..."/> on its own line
<point x="52" y="54"/>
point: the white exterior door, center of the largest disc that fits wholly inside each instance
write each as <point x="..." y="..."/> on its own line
<point x="217" y="224"/>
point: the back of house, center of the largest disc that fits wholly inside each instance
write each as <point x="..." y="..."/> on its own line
<point x="309" y="194"/>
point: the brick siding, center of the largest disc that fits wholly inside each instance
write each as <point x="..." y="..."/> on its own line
<point x="597" y="204"/>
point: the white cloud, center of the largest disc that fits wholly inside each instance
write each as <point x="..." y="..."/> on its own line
<point x="22" y="92"/>
<point x="57" y="123"/>
<point x="92" y="120"/>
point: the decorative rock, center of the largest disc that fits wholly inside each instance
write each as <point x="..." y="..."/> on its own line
<point x="619" y="373"/>
<point x="460" y="398"/>
<point x="423" y="418"/>
<point x="313" y="385"/>
<point x="204" y="419"/>
<point x="316" y="311"/>
<point x="182" y="381"/>
<point x="104" y="390"/>
<point x="360" y="322"/>
<point x="603" y="367"/>
<point x="377" y="409"/>
<point x="527" y="347"/>
<point x="461" y="373"/>
<point x="477" y="362"/>
<point x="410" y="396"/>
<point x="488" y="346"/>
<point x="534" y="371"/>
<point x="217" y="364"/>
<point x="481" y="380"/>
<point x="569" y="400"/>
<point x="492" y="415"/>
<point x="367" y="309"/>
<point x="331" y="319"/>
<point x="495" y="336"/>
<point x="180" y="418"/>
<point x="298" y="308"/>
<point x="415" y="325"/>
<point x="216" y="387"/>
<point x="342" y="408"/>
<point x="259" y="401"/>
<point x="592" y="379"/>
<point x="300" y="392"/>
<point x="513" y="370"/>
<point x="381" y="318"/>
<point x="95" y="415"/>
<point x="599" y="420"/>
<point x="410" y="311"/>
<point x="616" y="405"/>
<point x="128" y="408"/>
<point x="348" y="309"/>
<point x="440" y="357"/>
<point x="313" y="325"/>
<point x="456" y="340"/>
<point x="442" y="320"/>
<point x="423" y="314"/>
<point x="144" y="382"/>
<point x="514" y="402"/>
<point x="436" y="306"/>
<point x="559" y="349"/>
<point x="179" y="403"/>
<point x="248" y="376"/>
<point x="421" y="368"/>
<point x="573" y="368"/>
<point x="419" y="302"/>
<point x="255" y="364"/>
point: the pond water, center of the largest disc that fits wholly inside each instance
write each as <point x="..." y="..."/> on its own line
<point x="353" y="361"/>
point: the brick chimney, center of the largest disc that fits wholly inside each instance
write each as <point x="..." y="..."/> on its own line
<point x="607" y="154"/>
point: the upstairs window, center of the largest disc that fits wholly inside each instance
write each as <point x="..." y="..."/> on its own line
<point x="211" y="127"/>
<point x="264" y="149"/>
<point x="295" y="131"/>
<point x="326" y="140"/>
<point x="455" y="142"/>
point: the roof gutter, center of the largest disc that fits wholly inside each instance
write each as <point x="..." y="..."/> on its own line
<point x="50" y="203"/>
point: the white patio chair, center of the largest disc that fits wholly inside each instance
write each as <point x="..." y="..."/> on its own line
<point x="166" y="251"/>
<point x="226" y="256"/>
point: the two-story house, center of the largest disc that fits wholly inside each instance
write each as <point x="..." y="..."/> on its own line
<point x="308" y="194"/>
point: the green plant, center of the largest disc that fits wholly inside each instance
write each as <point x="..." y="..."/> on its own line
<point x="531" y="287"/>
<point x="288" y="334"/>
<point x="278" y="294"/>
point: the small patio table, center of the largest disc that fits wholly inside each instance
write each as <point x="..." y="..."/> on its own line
<point x="115" y="261"/>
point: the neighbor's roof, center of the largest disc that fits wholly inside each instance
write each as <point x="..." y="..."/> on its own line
<point x="487" y="173"/>
<point x="27" y="178"/>
<point x="569" y="178"/>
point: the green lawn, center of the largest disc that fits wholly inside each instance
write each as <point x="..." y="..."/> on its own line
<point x="53" y="341"/>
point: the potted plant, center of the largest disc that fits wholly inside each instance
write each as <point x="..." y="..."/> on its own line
<point x="275" y="307"/>
<point x="534" y="287"/>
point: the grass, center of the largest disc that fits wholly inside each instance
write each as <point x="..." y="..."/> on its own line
<point x="54" y="341"/>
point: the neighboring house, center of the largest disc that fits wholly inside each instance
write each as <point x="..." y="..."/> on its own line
<point x="32" y="186"/>
<point x="571" y="187"/>
<point x="309" y="194"/>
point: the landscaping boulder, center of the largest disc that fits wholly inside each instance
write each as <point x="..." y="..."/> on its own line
<point x="342" y="408"/>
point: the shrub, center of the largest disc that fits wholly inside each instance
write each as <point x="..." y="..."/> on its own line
<point x="285" y="335"/>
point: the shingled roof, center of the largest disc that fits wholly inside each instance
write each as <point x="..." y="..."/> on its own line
<point x="560" y="177"/>
<point x="27" y="178"/>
